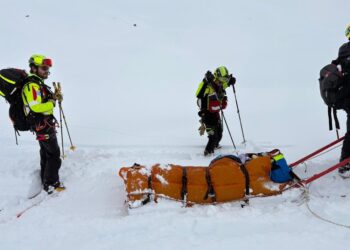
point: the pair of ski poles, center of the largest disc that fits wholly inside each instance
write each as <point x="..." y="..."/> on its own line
<point x="224" y="118"/>
<point x="59" y="96"/>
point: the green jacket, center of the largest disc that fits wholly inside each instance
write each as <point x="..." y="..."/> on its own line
<point x="37" y="97"/>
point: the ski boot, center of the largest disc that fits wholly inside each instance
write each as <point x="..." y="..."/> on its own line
<point x="344" y="171"/>
<point x="56" y="187"/>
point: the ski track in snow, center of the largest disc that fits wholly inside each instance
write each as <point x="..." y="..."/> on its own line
<point x="91" y="213"/>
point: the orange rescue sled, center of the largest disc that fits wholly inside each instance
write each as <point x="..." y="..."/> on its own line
<point x="225" y="179"/>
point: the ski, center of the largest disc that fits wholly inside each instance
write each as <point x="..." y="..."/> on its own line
<point x="36" y="201"/>
<point x="34" y="195"/>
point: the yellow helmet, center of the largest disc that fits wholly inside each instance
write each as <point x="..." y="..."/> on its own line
<point x="221" y="72"/>
<point x="347" y="31"/>
<point x="40" y="60"/>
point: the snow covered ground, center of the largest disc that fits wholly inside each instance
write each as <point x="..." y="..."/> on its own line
<point x="91" y="213"/>
<point x="129" y="97"/>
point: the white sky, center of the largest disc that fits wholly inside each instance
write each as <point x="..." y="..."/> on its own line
<point x="136" y="85"/>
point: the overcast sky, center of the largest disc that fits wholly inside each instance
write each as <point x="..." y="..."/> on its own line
<point x="129" y="69"/>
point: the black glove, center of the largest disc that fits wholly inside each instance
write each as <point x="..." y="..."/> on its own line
<point x="232" y="80"/>
<point x="209" y="77"/>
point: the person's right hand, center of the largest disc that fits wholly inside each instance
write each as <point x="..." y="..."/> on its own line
<point x="232" y="81"/>
<point x="58" y="96"/>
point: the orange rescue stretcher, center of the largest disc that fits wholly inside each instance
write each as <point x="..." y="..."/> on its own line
<point x="225" y="179"/>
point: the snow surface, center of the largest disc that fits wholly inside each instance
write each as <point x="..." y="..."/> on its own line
<point x="129" y="98"/>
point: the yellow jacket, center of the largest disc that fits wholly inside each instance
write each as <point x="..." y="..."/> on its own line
<point x="37" y="97"/>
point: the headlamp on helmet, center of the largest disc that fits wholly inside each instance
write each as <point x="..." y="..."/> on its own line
<point x="40" y="60"/>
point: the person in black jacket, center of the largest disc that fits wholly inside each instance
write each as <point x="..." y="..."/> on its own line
<point x="343" y="61"/>
<point x="212" y="99"/>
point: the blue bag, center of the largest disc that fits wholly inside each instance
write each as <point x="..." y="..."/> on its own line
<point x="280" y="171"/>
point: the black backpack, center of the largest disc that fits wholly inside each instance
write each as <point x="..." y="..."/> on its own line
<point x="11" y="83"/>
<point x="332" y="91"/>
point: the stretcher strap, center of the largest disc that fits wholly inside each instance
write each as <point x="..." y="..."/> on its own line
<point x="210" y="192"/>
<point x="184" y="185"/>
<point x="148" y="199"/>
<point x="247" y="180"/>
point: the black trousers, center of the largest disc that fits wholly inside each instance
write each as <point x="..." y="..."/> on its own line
<point x="214" y="130"/>
<point x="345" y="151"/>
<point x="50" y="161"/>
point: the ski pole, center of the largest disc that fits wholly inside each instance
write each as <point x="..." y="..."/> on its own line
<point x="59" y="97"/>
<point x="72" y="147"/>
<point x="57" y="93"/>
<point x="239" y="115"/>
<point x="223" y="116"/>
<point x="229" y="132"/>
<point x="63" y="156"/>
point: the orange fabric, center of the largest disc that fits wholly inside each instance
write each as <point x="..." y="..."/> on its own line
<point x="227" y="178"/>
<point x="167" y="181"/>
<point x="136" y="182"/>
<point x="259" y="174"/>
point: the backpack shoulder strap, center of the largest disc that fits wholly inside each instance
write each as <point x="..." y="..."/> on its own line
<point x="330" y="124"/>
<point x="33" y="78"/>
<point x="335" y="117"/>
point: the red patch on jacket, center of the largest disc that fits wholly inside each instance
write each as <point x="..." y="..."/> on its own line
<point x="35" y="96"/>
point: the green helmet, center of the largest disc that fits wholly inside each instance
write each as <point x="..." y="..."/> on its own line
<point x="221" y="72"/>
<point x="40" y="60"/>
<point x="347" y="32"/>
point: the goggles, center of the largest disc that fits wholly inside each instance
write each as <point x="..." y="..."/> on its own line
<point x="39" y="61"/>
<point x="47" y="62"/>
